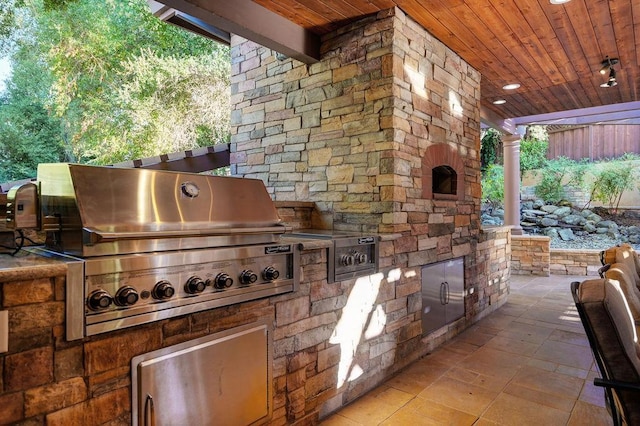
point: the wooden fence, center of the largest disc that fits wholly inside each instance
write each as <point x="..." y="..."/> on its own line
<point x="593" y="142"/>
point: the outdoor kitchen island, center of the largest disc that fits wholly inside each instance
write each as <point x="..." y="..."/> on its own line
<point x="331" y="342"/>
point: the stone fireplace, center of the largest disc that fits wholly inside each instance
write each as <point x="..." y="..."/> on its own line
<point x="382" y="135"/>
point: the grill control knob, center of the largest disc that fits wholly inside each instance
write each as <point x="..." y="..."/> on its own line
<point x="248" y="277"/>
<point x="222" y="281"/>
<point x="194" y="285"/>
<point x="126" y="296"/>
<point x="270" y="273"/>
<point x="347" y="260"/>
<point x="163" y="290"/>
<point x="99" y="299"/>
<point x="361" y="258"/>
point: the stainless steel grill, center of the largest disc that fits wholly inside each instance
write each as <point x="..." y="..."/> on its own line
<point x="145" y="245"/>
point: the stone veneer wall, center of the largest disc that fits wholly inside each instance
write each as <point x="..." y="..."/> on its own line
<point x="574" y="262"/>
<point x="350" y="133"/>
<point x="530" y="255"/>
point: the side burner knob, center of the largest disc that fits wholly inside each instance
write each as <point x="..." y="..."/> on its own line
<point x="194" y="285"/>
<point x="270" y="273"/>
<point x="347" y="260"/>
<point x="163" y="290"/>
<point x="248" y="277"/>
<point x="126" y="296"/>
<point x="361" y="258"/>
<point x="99" y="299"/>
<point x="222" y="281"/>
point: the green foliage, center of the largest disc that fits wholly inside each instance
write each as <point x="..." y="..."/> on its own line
<point x="613" y="180"/>
<point x="29" y="133"/>
<point x="490" y="148"/>
<point x="554" y="176"/>
<point x="493" y="184"/>
<point x="119" y="83"/>
<point x="533" y="154"/>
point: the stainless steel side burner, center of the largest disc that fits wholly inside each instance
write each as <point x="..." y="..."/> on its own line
<point x="351" y="255"/>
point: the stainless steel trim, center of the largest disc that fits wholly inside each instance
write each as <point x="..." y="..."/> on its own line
<point x="94" y="236"/>
<point x="120" y="323"/>
<point x="74" y="291"/>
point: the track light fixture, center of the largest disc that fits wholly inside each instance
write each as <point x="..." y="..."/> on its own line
<point x="607" y="64"/>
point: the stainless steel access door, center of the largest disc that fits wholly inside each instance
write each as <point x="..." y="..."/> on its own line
<point x="442" y="293"/>
<point x="221" y="379"/>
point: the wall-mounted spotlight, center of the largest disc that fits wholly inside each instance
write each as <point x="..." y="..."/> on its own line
<point x="612" y="79"/>
<point x="607" y="65"/>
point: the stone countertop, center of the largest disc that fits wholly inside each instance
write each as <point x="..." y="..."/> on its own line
<point x="306" y="243"/>
<point x="26" y="265"/>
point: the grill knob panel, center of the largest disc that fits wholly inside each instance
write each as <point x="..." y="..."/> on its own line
<point x="222" y="281"/>
<point x="270" y="273"/>
<point x="98" y="300"/>
<point x="195" y="285"/>
<point x="163" y="290"/>
<point x="126" y="296"/>
<point x="248" y="277"/>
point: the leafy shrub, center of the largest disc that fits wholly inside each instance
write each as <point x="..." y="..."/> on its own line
<point x="615" y="178"/>
<point x="490" y="148"/>
<point x="533" y="154"/>
<point x="551" y="187"/>
<point x="493" y="184"/>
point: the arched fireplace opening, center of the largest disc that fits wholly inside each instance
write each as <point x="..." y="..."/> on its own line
<point x="444" y="180"/>
<point x="442" y="173"/>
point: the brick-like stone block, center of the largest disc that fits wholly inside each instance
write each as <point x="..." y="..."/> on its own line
<point x="68" y="363"/>
<point x="25" y="292"/>
<point x="28" y="369"/>
<point x="117" y="350"/>
<point x="292" y="310"/>
<point x="53" y="397"/>
<point x="11" y="407"/>
<point x="104" y="409"/>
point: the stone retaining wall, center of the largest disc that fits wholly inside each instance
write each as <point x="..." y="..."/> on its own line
<point x="530" y="255"/>
<point x="574" y="262"/>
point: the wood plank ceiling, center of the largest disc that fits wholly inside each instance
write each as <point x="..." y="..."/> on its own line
<point x="553" y="51"/>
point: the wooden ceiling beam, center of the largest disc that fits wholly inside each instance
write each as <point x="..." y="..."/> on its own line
<point x="254" y="22"/>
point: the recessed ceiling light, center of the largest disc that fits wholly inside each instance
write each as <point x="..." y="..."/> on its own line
<point x="559" y="1"/>
<point x="499" y="102"/>
<point x="511" y="86"/>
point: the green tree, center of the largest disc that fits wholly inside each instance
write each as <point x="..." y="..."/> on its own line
<point x="493" y="185"/>
<point x="533" y="154"/>
<point x="29" y="133"/>
<point x="122" y="82"/>
<point x="490" y="148"/>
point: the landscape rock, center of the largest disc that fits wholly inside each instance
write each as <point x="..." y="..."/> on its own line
<point x="546" y="222"/>
<point x="574" y="219"/>
<point x="569" y="227"/>
<point x="566" y="234"/>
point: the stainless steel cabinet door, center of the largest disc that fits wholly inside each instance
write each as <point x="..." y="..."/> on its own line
<point x="442" y="294"/>
<point x="433" y="300"/>
<point x="222" y="379"/>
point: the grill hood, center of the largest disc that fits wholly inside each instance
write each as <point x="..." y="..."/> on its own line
<point x="92" y="210"/>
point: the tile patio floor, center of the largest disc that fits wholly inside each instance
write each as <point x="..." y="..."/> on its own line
<point x="528" y="363"/>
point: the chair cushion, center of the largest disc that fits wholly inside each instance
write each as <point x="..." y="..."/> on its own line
<point x="618" y="309"/>
<point x="620" y="273"/>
